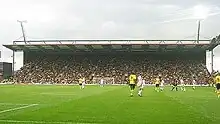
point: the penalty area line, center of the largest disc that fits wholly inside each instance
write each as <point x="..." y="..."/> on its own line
<point x="41" y="122"/>
<point x="18" y="108"/>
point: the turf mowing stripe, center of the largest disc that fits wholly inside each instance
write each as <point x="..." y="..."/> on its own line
<point x="181" y="100"/>
<point x="59" y="94"/>
<point x="41" y="122"/>
<point x="13" y="104"/>
<point x="18" y="108"/>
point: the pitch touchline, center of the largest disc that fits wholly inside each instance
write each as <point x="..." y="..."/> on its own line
<point x="41" y="122"/>
<point x="18" y="108"/>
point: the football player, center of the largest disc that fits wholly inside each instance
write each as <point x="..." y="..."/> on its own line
<point x="217" y="81"/>
<point x="140" y="85"/>
<point x="132" y="83"/>
<point x="182" y="85"/>
<point x="174" y="85"/>
<point x="102" y="82"/>
<point x="157" y="83"/>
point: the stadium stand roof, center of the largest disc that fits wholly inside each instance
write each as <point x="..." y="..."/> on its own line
<point x="112" y="45"/>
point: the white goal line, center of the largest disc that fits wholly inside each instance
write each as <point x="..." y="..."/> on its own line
<point x="18" y="108"/>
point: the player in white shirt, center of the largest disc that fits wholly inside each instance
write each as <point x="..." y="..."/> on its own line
<point x="182" y="85"/>
<point x="162" y="85"/>
<point x="83" y="82"/>
<point x="140" y="85"/>
<point x="139" y="79"/>
<point x="102" y="82"/>
<point x="194" y="84"/>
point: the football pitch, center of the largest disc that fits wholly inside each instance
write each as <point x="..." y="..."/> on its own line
<point x="111" y="104"/>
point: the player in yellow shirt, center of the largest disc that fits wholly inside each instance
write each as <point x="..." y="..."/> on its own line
<point x="132" y="83"/>
<point x="217" y="81"/>
<point x="157" y="82"/>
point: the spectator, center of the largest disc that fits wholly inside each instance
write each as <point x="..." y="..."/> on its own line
<point x="66" y="69"/>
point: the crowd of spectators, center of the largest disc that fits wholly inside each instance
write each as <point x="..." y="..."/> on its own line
<point x="67" y="69"/>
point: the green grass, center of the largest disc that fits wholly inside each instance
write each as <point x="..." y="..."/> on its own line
<point x="111" y="104"/>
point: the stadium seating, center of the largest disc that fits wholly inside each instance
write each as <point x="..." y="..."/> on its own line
<point x="66" y="69"/>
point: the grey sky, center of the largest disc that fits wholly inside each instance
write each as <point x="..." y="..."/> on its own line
<point x="106" y="19"/>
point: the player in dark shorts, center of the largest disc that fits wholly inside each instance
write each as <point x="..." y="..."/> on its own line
<point x="132" y="83"/>
<point x="218" y="86"/>
<point x="157" y="83"/>
<point x="80" y="82"/>
<point x="217" y="81"/>
<point x="132" y="86"/>
<point x="174" y="86"/>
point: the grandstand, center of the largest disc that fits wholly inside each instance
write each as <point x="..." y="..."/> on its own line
<point x="63" y="61"/>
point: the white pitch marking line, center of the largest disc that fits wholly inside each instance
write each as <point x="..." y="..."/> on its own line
<point x="18" y="108"/>
<point x="41" y="122"/>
